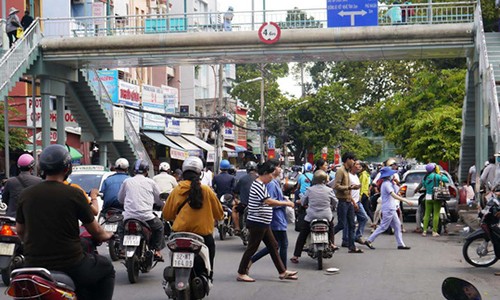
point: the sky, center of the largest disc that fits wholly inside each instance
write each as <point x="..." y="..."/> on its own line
<point x="288" y="84"/>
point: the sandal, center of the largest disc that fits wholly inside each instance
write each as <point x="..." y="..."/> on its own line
<point x="357" y="250"/>
<point x="290" y="275"/>
<point x="294" y="260"/>
<point x="244" y="278"/>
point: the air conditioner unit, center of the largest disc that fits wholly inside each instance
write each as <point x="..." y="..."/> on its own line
<point x="78" y="1"/>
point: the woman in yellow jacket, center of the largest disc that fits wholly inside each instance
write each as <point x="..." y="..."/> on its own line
<point x="194" y="207"/>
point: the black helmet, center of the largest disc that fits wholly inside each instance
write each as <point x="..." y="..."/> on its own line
<point x="141" y="166"/>
<point x="54" y="159"/>
<point x="251" y="166"/>
<point x="232" y="170"/>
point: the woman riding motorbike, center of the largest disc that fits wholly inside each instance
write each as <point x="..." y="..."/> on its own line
<point x="203" y="207"/>
<point x="320" y="201"/>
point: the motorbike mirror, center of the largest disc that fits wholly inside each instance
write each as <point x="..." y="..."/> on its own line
<point x="458" y="289"/>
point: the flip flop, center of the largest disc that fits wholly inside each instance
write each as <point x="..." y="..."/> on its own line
<point x="357" y="250"/>
<point x="244" y="278"/>
<point x="294" y="260"/>
<point x="290" y="275"/>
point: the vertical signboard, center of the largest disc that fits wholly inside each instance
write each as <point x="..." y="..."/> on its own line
<point x="152" y="100"/>
<point x="241" y="121"/>
<point x="348" y="13"/>
<point x="129" y="94"/>
<point x="171" y="102"/>
<point x="118" y="123"/>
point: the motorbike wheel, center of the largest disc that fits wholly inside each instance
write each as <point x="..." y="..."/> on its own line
<point x="320" y="260"/>
<point x="244" y="236"/>
<point x="222" y="231"/>
<point x="6" y="275"/>
<point x="132" y="264"/>
<point x="184" y="295"/>
<point x="114" y="249"/>
<point x="479" y="252"/>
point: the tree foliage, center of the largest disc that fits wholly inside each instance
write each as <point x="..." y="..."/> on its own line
<point x="17" y="136"/>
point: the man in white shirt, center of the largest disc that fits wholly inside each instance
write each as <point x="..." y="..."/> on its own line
<point x="165" y="181"/>
<point x="359" y="210"/>
<point x="207" y="177"/>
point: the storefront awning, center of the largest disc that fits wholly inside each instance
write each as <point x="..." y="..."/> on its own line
<point x="198" y="142"/>
<point x="237" y="148"/>
<point x="161" y="139"/>
<point x="185" y="145"/>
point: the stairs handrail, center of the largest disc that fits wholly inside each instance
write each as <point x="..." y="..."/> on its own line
<point x="19" y="53"/>
<point x="129" y="128"/>
<point x="489" y="92"/>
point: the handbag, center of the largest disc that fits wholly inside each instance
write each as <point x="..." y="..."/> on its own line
<point x="19" y="32"/>
<point x="440" y="192"/>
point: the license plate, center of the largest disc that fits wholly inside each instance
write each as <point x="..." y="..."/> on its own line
<point x="320" y="237"/>
<point x="131" y="240"/>
<point x="7" y="249"/>
<point x="183" y="260"/>
<point x="110" y="227"/>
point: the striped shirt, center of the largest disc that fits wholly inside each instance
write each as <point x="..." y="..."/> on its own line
<point x="258" y="211"/>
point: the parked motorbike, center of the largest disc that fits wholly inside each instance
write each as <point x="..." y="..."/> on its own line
<point x="225" y="226"/>
<point x="111" y="219"/>
<point x="189" y="274"/>
<point x="319" y="243"/>
<point x="456" y="288"/>
<point x="138" y="255"/>
<point x="482" y="247"/>
<point x="244" y="233"/>
<point x="11" y="248"/>
<point x="40" y="283"/>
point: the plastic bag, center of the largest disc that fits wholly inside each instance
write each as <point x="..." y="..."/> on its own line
<point x="19" y="32"/>
<point x="290" y="215"/>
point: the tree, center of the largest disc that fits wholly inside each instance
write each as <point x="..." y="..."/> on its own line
<point x="17" y="136"/>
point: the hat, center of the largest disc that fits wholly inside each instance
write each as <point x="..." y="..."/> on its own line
<point x="386" y="172"/>
<point x="13" y="10"/>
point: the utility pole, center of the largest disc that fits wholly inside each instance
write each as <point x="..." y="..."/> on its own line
<point x="219" y="137"/>
<point x="262" y="129"/>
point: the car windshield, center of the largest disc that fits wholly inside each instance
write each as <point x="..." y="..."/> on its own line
<point x="86" y="181"/>
<point x="417" y="177"/>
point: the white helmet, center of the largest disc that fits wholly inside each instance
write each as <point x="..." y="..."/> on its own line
<point x="122" y="164"/>
<point x="164" y="166"/>
<point x="192" y="163"/>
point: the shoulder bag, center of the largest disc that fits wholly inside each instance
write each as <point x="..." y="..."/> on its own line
<point x="440" y="192"/>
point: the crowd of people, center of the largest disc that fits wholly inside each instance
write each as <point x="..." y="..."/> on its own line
<point x="191" y="202"/>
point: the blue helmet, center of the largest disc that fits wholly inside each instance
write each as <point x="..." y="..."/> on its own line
<point x="224" y="164"/>
<point x="308" y="167"/>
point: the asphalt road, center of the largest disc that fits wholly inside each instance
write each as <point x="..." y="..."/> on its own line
<point x="384" y="273"/>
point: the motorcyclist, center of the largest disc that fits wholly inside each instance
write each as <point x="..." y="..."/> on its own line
<point x="194" y="207"/>
<point x="47" y="221"/>
<point x="165" y="181"/>
<point x="242" y="190"/>
<point x="15" y="185"/>
<point x="320" y="201"/>
<point x="224" y="183"/>
<point x="111" y="186"/>
<point x="138" y="194"/>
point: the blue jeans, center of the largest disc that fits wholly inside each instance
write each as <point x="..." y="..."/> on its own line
<point x="362" y="217"/>
<point x="345" y="213"/>
<point x="282" y="239"/>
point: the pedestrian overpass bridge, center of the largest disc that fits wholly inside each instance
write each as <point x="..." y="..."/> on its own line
<point x="64" y="53"/>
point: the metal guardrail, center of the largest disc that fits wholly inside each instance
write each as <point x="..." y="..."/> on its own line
<point x="489" y="91"/>
<point x="433" y="13"/>
<point x="20" y="52"/>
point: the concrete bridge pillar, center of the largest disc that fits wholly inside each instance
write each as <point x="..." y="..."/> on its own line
<point x="50" y="87"/>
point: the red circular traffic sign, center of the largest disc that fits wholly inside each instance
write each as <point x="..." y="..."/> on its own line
<point x="269" y="33"/>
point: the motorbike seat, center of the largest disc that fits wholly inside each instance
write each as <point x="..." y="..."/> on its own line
<point x="63" y="278"/>
<point x="145" y="227"/>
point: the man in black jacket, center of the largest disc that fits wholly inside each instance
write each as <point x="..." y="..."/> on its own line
<point x="26" y="20"/>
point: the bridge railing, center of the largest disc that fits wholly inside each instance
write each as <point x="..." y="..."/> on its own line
<point x="433" y="13"/>
<point x="489" y="91"/>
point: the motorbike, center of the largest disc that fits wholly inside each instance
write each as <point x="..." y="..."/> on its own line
<point x="319" y="243"/>
<point x="289" y="181"/>
<point x="244" y="233"/>
<point x="189" y="274"/>
<point x="225" y="226"/>
<point x="111" y="220"/>
<point x="482" y="247"/>
<point x="138" y="255"/>
<point x="40" y="283"/>
<point x="455" y="288"/>
<point x="11" y="248"/>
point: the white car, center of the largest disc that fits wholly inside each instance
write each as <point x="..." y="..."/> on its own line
<point x="89" y="177"/>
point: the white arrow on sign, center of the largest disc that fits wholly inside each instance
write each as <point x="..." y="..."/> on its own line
<point x="352" y="14"/>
